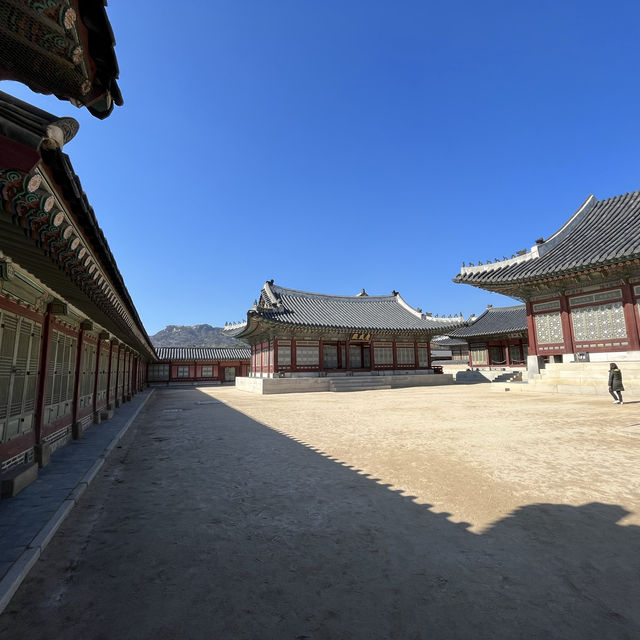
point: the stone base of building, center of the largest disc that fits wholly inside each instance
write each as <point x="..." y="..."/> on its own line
<point x="341" y="383"/>
<point x="16" y="479"/>
<point x="536" y="363"/>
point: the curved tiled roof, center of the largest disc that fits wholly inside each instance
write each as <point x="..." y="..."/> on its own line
<point x="209" y="354"/>
<point x="495" y="321"/>
<point x="599" y="233"/>
<point x="363" y="312"/>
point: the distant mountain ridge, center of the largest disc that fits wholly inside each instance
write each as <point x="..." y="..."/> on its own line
<point x="200" y="335"/>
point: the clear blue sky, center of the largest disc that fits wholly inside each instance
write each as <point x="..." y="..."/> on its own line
<point x="334" y="145"/>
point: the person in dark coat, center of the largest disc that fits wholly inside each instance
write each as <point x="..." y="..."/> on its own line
<point x="615" y="383"/>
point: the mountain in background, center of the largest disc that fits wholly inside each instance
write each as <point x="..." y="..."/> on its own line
<point x="202" y="335"/>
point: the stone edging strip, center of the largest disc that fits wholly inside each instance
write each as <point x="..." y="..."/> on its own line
<point x="18" y="572"/>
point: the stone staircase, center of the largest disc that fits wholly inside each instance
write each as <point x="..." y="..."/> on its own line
<point x="487" y="375"/>
<point x="359" y="383"/>
<point x="582" y="378"/>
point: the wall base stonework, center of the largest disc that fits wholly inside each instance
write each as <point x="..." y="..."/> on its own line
<point x="266" y="386"/>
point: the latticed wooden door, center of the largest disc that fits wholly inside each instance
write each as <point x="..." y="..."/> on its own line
<point x="19" y="361"/>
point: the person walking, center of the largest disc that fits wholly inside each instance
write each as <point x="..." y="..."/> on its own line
<point x="615" y="383"/>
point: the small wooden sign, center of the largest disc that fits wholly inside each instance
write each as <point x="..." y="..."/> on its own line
<point x="361" y="336"/>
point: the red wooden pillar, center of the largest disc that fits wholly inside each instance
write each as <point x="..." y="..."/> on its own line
<point x="347" y="354"/>
<point x="115" y="387"/>
<point x="429" y="354"/>
<point x="294" y="357"/>
<point x="567" y="331"/>
<point x="109" y="374"/>
<point x="76" y="389"/>
<point x="630" y="318"/>
<point x="45" y="357"/>
<point x="321" y="355"/>
<point x="275" y="355"/>
<point x="531" y="330"/>
<point x="415" y="355"/>
<point x="395" y="355"/>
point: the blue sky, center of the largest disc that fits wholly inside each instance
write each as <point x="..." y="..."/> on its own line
<point x="334" y="145"/>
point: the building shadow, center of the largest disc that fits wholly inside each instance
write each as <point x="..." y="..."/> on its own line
<point x="227" y="529"/>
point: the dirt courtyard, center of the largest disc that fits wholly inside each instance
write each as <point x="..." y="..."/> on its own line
<point x="447" y="513"/>
<point x="473" y="453"/>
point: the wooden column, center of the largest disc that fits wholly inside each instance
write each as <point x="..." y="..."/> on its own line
<point x="567" y="330"/>
<point x="76" y="390"/>
<point x="395" y="355"/>
<point x="294" y="359"/>
<point x="507" y="356"/>
<point x="115" y="387"/>
<point x="321" y="355"/>
<point x="531" y="329"/>
<point x="109" y="374"/>
<point x="416" y="362"/>
<point x="429" y="354"/>
<point x="630" y="317"/>
<point x="45" y="357"/>
<point x="347" y="354"/>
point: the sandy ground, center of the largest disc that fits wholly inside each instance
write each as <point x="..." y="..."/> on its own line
<point x="430" y="513"/>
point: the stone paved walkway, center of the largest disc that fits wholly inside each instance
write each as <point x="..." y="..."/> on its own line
<point x="28" y="521"/>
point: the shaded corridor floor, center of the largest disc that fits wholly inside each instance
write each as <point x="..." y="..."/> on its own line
<point x="216" y="521"/>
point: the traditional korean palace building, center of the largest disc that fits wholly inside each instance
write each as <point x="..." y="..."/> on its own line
<point x="199" y="365"/>
<point x="72" y="347"/>
<point x="300" y="334"/>
<point x="497" y="338"/>
<point x="449" y="350"/>
<point x="581" y="286"/>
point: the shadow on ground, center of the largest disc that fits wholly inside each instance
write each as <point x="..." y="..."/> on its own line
<point x="208" y="524"/>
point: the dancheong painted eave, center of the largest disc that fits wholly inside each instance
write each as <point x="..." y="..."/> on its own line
<point x="281" y="306"/>
<point x="600" y="235"/>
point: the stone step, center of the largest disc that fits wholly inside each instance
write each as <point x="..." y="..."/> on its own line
<point x="376" y="387"/>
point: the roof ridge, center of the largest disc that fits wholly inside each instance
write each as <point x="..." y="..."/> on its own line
<point x="355" y="298"/>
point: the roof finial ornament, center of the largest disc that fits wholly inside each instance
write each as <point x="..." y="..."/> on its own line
<point x="463" y="264"/>
<point x="362" y="293"/>
<point x="394" y="293"/>
<point x="271" y="282"/>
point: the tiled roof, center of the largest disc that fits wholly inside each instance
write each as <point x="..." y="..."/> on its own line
<point x="203" y="353"/>
<point x="363" y="312"/>
<point x="495" y="321"/>
<point x="599" y="233"/>
<point x="445" y="342"/>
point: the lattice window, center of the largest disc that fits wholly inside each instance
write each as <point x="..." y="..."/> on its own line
<point x="19" y="362"/>
<point x="207" y="371"/>
<point x="478" y="354"/>
<point x="423" y="357"/>
<point x="601" y="322"/>
<point x="330" y="356"/>
<point x="355" y="356"/>
<point x="382" y="354"/>
<point x="614" y="294"/>
<point x="405" y="354"/>
<point x="307" y="356"/>
<point x="547" y="306"/>
<point x="158" y="372"/>
<point x="183" y="371"/>
<point x="284" y="355"/>
<point x="548" y="328"/>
